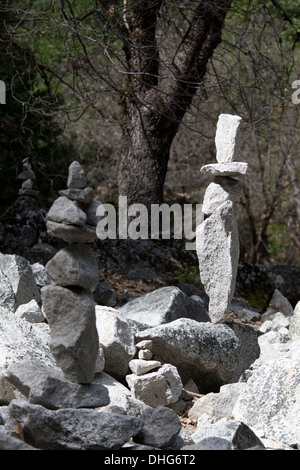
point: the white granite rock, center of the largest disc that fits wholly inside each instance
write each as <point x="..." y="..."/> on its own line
<point x="227" y="138"/>
<point x="217" y="244"/>
<point x="234" y="169"/>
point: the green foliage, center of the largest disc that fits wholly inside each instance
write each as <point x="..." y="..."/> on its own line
<point x="189" y="275"/>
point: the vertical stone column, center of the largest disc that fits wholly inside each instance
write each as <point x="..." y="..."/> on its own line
<point x="27" y="176"/>
<point x="68" y="303"/>
<point x="217" y="240"/>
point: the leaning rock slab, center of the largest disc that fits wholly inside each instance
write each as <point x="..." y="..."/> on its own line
<point x="75" y="349"/>
<point x="69" y="428"/>
<point x="217" y="244"/>
<point x="117" y="340"/>
<point x="46" y="386"/>
<point x="163" y="305"/>
<point x="207" y="353"/>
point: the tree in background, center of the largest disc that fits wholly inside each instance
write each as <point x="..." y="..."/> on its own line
<point x="171" y="67"/>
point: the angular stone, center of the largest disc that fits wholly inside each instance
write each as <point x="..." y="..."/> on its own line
<point x="27" y="184"/>
<point x="161" y="387"/>
<point x="74" y="338"/>
<point x="221" y="190"/>
<point x="233" y="169"/>
<point x="227" y="138"/>
<point x="74" y="265"/>
<point x="117" y="339"/>
<point x="19" y="339"/>
<point x="63" y="210"/>
<point x="281" y="303"/>
<point x="295" y="323"/>
<point x="30" y="312"/>
<point x="160" y="428"/>
<point x="19" y="282"/>
<point x="70" y="428"/>
<point x="207" y="353"/>
<point x="46" y="386"/>
<point x="81" y="195"/>
<point x="217" y="244"/>
<point x="237" y="433"/>
<point x="140" y="366"/>
<point x="163" y="306"/>
<point x="91" y="213"/>
<point x="71" y="233"/>
<point x="76" y="176"/>
<point x="270" y="401"/>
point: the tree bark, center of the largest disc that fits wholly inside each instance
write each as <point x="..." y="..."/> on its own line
<point x="152" y="112"/>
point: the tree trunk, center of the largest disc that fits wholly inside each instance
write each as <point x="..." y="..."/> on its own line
<point x="152" y="112"/>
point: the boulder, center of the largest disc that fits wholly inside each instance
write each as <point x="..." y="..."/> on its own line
<point x="270" y="401"/>
<point x="69" y="428"/>
<point x="238" y="434"/>
<point x="74" y="338"/>
<point x="20" y="339"/>
<point x="9" y="442"/>
<point x="163" y="305"/>
<point x="207" y="353"/>
<point x="117" y="339"/>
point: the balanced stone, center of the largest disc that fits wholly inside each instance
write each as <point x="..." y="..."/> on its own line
<point x="64" y="210"/>
<point x="74" y="265"/>
<point x="74" y="337"/>
<point x="221" y="190"/>
<point x="81" y="195"/>
<point x="76" y="176"/>
<point x="234" y="169"/>
<point x="71" y="233"/>
<point x="217" y="245"/>
<point x="227" y="138"/>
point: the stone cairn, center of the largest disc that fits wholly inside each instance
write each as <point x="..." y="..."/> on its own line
<point x="27" y="176"/>
<point x="217" y="240"/>
<point x="68" y="303"/>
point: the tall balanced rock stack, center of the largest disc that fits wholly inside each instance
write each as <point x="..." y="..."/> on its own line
<point x="68" y="303"/>
<point x="217" y="240"/>
<point x="27" y="176"/>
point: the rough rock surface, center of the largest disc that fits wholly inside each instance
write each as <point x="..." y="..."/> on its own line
<point x="75" y="349"/>
<point x="207" y="353"/>
<point x="163" y="306"/>
<point x="217" y="244"/>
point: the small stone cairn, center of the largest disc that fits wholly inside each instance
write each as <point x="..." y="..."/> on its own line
<point x="28" y="178"/>
<point x="68" y="303"/>
<point x="217" y="240"/>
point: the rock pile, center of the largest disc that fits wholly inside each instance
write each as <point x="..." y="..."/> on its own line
<point x="28" y="178"/>
<point x="217" y="240"/>
<point x="68" y="303"/>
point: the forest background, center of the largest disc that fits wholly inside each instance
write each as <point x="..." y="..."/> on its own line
<point x="73" y="68"/>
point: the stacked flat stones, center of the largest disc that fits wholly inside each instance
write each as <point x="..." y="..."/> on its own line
<point x="217" y="240"/>
<point x="28" y="178"/>
<point x="68" y="304"/>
